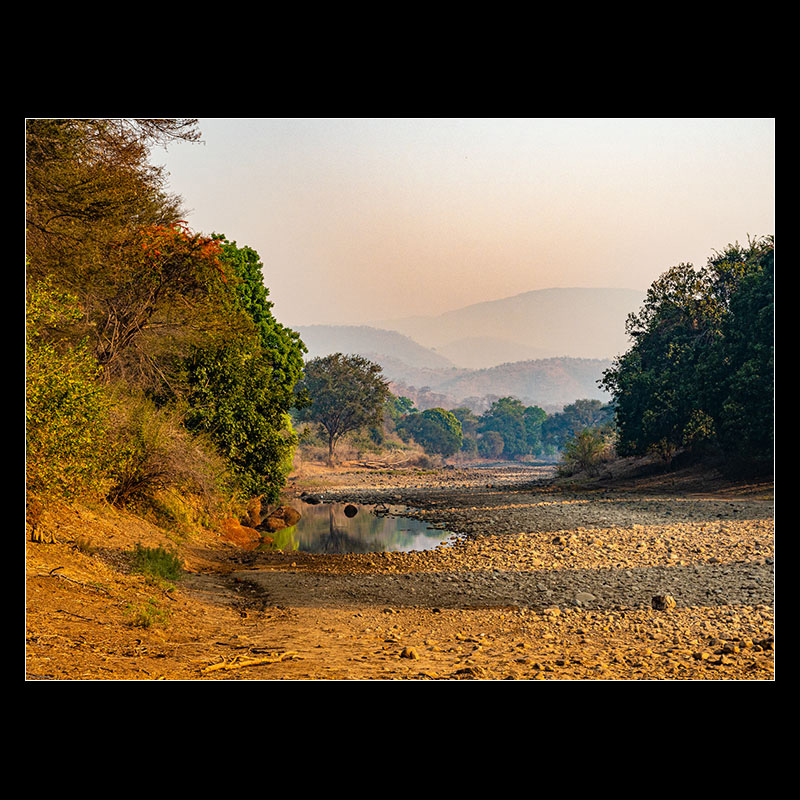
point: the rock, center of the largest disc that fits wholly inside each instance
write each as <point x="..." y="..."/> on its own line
<point x="409" y="652"/>
<point x="663" y="602"/>
<point x="584" y="597"/>
<point x="283" y="517"/>
<point x="311" y="499"/>
<point x="253" y="513"/>
<point x="243" y="536"/>
<point x="291" y="515"/>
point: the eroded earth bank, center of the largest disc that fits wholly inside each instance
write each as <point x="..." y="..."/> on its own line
<point x="646" y="578"/>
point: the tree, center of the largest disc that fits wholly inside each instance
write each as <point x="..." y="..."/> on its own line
<point x="344" y="393"/>
<point x="164" y="288"/>
<point x="436" y="429"/>
<point x="699" y="371"/>
<point x="741" y="368"/>
<point x="534" y="418"/>
<point x="231" y="399"/>
<point x="490" y="445"/>
<point x="469" y="430"/>
<point x="86" y="181"/>
<point x="586" y="449"/>
<point x="507" y="417"/>
<point x="241" y="386"/>
<point x="559" y="428"/>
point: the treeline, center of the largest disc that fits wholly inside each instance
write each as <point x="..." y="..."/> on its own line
<point x="698" y="378"/>
<point x="155" y="369"/>
<point x="508" y="429"/>
<point x="347" y="395"/>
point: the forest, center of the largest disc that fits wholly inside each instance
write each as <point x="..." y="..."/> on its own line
<point x="158" y="377"/>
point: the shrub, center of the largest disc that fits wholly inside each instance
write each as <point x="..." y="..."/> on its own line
<point x="585" y="450"/>
<point x="153" y="453"/>
<point x="147" y="614"/>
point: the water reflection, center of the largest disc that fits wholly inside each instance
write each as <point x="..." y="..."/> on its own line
<point x="346" y="528"/>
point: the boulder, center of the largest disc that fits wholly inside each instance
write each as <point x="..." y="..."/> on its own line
<point x="242" y="535"/>
<point x="663" y="602"/>
<point x="283" y="517"/>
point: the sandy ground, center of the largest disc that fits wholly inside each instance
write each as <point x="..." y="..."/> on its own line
<point x="665" y="577"/>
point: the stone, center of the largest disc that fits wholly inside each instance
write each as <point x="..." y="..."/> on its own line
<point x="663" y="602"/>
<point x="283" y="517"/>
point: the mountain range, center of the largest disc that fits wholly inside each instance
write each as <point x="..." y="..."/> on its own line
<point x="547" y="347"/>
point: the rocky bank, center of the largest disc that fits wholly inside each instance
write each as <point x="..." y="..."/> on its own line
<point x="654" y="577"/>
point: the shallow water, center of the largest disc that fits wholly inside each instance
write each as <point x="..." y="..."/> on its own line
<point x="326" y="528"/>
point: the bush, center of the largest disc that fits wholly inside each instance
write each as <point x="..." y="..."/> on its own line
<point x="152" y="453"/>
<point x="585" y="451"/>
<point x="147" y="614"/>
<point x="66" y="406"/>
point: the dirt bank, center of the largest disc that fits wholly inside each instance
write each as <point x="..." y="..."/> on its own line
<point x="548" y="582"/>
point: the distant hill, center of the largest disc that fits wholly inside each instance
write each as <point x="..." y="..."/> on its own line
<point x="373" y="343"/>
<point x="547" y="347"/>
<point x="478" y="352"/>
<point x="431" y="380"/>
<point x="550" y="383"/>
<point x="544" y="323"/>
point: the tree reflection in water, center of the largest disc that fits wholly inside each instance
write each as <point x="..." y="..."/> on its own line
<point x="328" y="528"/>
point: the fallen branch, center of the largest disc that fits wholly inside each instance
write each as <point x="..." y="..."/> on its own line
<point x="253" y="662"/>
<point x="55" y="574"/>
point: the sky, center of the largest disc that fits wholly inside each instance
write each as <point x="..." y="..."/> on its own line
<point x="358" y="220"/>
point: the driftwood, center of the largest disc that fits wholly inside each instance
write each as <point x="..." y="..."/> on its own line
<point x="380" y="464"/>
<point x="251" y="662"/>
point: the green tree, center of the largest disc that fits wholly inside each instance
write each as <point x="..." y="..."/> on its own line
<point x="534" y="417"/>
<point x="469" y="430"/>
<point x="691" y="371"/>
<point x="586" y="449"/>
<point x="344" y="393"/>
<point x="436" y="429"/>
<point x="740" y="377"/>
<point x="241" y="387"/>
<point x="506" y="417"/>
<point x="231" y="399"/>
<point x="557" y="429"/>
<point x="490" y="445"/>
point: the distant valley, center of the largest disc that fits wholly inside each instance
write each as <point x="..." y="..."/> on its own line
<point x="546" y="347"/>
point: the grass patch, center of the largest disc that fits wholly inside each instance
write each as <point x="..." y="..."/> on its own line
<point x="148" y="614"/>
<point x="156" y="563"/>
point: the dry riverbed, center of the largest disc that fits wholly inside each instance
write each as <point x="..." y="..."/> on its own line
<point x="665" y="577"/>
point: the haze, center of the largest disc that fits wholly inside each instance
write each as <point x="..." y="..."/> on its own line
<point x="360" y="220"/>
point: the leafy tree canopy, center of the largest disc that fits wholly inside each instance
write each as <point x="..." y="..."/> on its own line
<point x="241" y="386"/>
<point x="436" y="429"/>
<point x="344" y="393"/>
<point x="699" y="371"/>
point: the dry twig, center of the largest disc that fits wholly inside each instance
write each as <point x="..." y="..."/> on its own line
<point x="252" y="662"/>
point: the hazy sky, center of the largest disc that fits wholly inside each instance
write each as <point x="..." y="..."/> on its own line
<point x="358" y="220"/>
